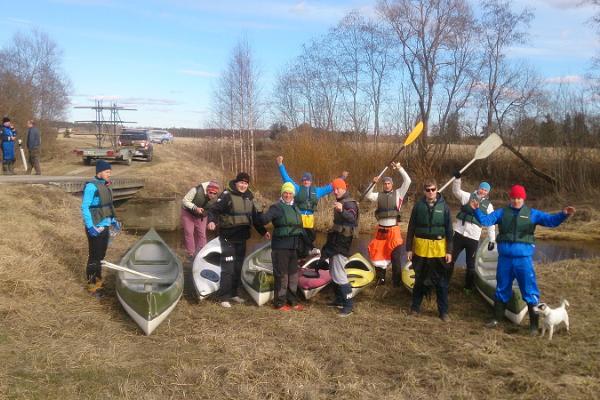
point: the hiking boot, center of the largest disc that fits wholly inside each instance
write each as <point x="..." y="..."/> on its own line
<point x="225" y="304"/>
<point x="284" y="307"/>
<point x="99" y="284"/>
<point x="445" y="318"/>
<point x="91" y="288"/>
<point x="534" y="320"/>
<point x="298" y="307"/>
<point x="238" y="299"/>
<point x="345" y="313"/>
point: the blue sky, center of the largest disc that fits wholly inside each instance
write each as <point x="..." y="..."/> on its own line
<point x="164" y="56"/>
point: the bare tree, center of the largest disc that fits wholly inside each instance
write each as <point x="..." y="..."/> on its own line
<point x="425" y="30"/>
<point x="32" y="81"/>
<point x="501" y="27"/>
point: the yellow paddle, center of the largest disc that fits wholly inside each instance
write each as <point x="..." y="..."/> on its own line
<point x="412" y="136"/>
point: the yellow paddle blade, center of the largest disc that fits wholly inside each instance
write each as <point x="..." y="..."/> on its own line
<point x="414" y="134"/>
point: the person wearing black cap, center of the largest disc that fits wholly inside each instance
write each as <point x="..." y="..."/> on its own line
<point x="98" y="215"/>
<point x="307" y="197"/>
<point x="235" y="211"/>
<point x="8" y="135"/>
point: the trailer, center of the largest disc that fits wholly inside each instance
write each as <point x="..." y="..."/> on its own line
<point x="123" y="154"/>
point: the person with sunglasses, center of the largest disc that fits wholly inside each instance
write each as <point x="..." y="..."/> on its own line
<point x="516" y="246"/>
<point x="429" y="247"/>
<point x="467" y="230"/>
<point x="306" y="198"/>
<point x="386" y="245"/>
<point x="193" y="215"/>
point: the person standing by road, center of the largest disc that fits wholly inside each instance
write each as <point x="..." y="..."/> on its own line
<point x="429" y="247"/>
<point x="287" y="237"/>
<point x="307" y="197"/>
<point x="386" y="246"/>
<point x="467" y="229"/>
<point x="337" y="246"/>
<point x="194" y="212"/>
<point x="34" y="144"/>
<point x="8" y="136"/>
<point x="516" y="246"/>
<point x="235" y="212"/>
<point x="98" y="215"/>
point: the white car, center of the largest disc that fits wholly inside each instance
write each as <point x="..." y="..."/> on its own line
<point x="158" y="136"/>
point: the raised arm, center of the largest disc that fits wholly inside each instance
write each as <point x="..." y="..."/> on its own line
<point x="460" y="194"/>
<point x="548" y="220"/>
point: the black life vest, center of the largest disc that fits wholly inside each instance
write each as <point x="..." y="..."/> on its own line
<point x="387" y="205"/>
<point x="430" y="221"/>
<point x="467" y="214"/>
<point x="105" y="208"/>
<point x="306" y="198"/>
<point x="290" y="223"/>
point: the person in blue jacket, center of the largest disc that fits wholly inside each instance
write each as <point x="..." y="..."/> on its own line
<point x="516" y="246"/>
<point x="306" y="198"/>
<point x="8" y="135"/>
<point x="98" y="215"/>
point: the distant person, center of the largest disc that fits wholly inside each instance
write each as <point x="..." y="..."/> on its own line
<point x="307" y="197"/>
<point x="516" y="246"/>
<point x="34" y="145"/>
<point x="429" y="247"/>
<point x="98" y="215"/>
<point x="467" y="229"/>
<point x="287" y="237"/>
<point x="337" y="246"/>
<point x="234" y="212"/>
<point x="194" y="215"/>
<point x="8" y="135"/>
<point x="386" y="245"/>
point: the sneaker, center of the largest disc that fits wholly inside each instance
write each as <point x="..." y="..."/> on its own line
<point x="345" y="313"/>
<point x="238" y="299"/>
<point x="285" y="307"/>
<point x="298" y="307"/>
<point x="445" y="318"/>
<point x="314" y="252"/>
<point x="334" y="304"/>
<point x="225" y="304"/>
<point x="493" y="324"/>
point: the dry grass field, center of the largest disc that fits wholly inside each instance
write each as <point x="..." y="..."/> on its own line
<point x="58" y="342"/>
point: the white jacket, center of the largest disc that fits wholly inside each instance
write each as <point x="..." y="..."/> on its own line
<point x="469" y="229"/>
<point x="400" y="193"/>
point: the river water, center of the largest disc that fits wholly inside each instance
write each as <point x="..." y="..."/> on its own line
<point x="546" y="250"/>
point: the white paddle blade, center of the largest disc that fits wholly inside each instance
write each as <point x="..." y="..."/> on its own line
<point x="488" y="146"/>
<point x="125" y="269"/>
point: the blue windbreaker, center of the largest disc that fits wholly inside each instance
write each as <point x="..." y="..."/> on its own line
<point x="320" y="191"/>
<point x="91" y="198"/>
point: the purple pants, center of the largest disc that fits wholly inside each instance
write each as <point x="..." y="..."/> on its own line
<point x="194" y="231"/>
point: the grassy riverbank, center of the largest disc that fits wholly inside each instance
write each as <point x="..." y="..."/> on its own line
<point x="57" y="342"/>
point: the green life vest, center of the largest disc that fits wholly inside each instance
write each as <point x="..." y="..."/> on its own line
<point x="340" y="225"/>
<point x="201" y="200"/>
<point x="516" y="227"/>
<point x="386" y="205"/>
<point x="105" y="208"/>
<point x="429" y="221"/>
<point x="467" y="214"/>
<point x="306" y="198"/>
<point x="290" y="223"/>
<point x="240" y="212"/>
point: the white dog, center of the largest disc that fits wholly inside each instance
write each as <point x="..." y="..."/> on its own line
<point x="553" y="317"/>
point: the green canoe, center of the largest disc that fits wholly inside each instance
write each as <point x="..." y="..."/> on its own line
<point x="149" y="301"/>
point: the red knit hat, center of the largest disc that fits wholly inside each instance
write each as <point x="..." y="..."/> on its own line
<point x="517" y="192"/>
<point x="339" y="183"/>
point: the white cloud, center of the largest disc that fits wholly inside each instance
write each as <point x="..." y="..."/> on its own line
<point x="567" y="79"/>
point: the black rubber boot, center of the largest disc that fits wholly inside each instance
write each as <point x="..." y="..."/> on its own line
<point x="380" y="276"/>
<point x="534" y="321"/>
<point x="499" y="308"/>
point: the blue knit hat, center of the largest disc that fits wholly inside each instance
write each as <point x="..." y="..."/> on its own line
<point x="485" y="186"/>
<point x="307" y="176"/>
<point x="102" y="165"/>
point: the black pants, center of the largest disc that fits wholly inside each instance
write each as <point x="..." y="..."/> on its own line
<point x="232" y="260"/>
<point x="285" y="272"/>
<point x="430" y="272"/>
<point x="97" y="250"/>
<point x="460" y="243"/>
